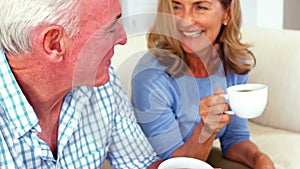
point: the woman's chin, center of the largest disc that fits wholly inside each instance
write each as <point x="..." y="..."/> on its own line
<point x="192" y="49"/>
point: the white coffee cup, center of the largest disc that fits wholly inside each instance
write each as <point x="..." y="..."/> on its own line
<point x="247" y="100"/>
<point x="184" y="163"/>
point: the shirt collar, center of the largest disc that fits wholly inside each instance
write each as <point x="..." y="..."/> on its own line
<point x="17" y="109"/>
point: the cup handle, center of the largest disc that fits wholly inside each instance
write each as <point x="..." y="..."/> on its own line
<point x="226" y="98"/>
<point x="229" y="112"/>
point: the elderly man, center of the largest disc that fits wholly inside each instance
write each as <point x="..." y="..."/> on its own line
<point x="54" y="56"/>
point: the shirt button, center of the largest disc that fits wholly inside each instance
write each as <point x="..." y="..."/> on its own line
<point x="58" y="164"/>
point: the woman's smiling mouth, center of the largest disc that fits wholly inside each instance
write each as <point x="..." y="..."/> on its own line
<point x="192" y="34"/>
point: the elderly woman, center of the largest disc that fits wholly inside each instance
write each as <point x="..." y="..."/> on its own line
<point x="195" y="53"/>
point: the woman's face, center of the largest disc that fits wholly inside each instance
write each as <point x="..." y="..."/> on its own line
<point x="199" y="22"/>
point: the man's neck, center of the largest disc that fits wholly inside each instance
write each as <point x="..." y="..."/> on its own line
<point x="42" y="89"/>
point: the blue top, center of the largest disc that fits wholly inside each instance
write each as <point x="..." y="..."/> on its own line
<point x="96" y="123"/>
<point x="167" y="108"/>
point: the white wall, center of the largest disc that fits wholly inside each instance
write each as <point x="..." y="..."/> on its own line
<point x="133" y="7"/>
<point x="249" y="12"/>
<point x="263" y="13"/>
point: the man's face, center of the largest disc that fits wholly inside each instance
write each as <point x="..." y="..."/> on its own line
<point x="93" y="47"/>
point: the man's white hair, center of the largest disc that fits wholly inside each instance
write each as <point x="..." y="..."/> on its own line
<point x="18" y="19"/>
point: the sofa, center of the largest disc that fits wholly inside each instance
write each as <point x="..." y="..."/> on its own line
<point x="277" y="131"/>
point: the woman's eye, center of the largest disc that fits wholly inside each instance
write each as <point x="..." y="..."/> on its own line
<point x="199" y="7"/>
<point x="176" y="7"/>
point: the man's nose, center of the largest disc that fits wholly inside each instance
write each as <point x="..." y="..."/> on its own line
<point x="121" y="37"/>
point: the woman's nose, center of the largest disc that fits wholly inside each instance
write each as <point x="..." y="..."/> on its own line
<point x="187" y="19"/>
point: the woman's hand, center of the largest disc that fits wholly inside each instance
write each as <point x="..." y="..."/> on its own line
<point x="212" y="110"/>
<point x="247" y="153"/>
<point x="213" y="119"/>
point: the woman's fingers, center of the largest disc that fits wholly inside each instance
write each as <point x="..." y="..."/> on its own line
<point x="218" y="91"/>
<point x="212" y="110"/>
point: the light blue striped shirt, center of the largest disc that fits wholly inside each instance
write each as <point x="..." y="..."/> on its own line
<point x="95" y="124"/>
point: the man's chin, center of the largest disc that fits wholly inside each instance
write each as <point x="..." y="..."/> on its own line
<point x="101" y="83"/>
<point x="93" y="82"/>
<point x="102" y="79"/>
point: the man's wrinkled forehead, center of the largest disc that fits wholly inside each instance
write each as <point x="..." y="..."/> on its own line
<point x="103" y="4"/>
<point x="112" y="5"/>
<point x="107" y="5"/>
<point x="111" y="12"/>
<point x="101" y="11"/>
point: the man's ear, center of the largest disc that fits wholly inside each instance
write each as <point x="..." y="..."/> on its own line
<point x="54" y="42"/>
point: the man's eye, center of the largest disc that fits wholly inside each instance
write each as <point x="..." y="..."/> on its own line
<point x="112" y="30"/>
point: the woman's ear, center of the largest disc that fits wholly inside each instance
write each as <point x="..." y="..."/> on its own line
<point x="54" y="43"/>
<point x="227" y="17"/>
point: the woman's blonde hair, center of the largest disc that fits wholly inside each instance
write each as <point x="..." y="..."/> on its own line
<point x="164" y="44"/>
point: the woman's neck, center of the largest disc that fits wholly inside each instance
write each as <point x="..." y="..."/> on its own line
<point x="196" y="66"/>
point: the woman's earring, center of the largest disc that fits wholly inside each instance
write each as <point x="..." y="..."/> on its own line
<point x="225" y="23"/>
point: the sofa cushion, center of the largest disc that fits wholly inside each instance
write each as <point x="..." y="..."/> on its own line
<point x="278" y="58"/>
<point x="282" y="146"/>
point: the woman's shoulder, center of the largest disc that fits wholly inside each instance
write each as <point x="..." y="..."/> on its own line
<point x="149" y="66"/>
<point x="234" y="78"/>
